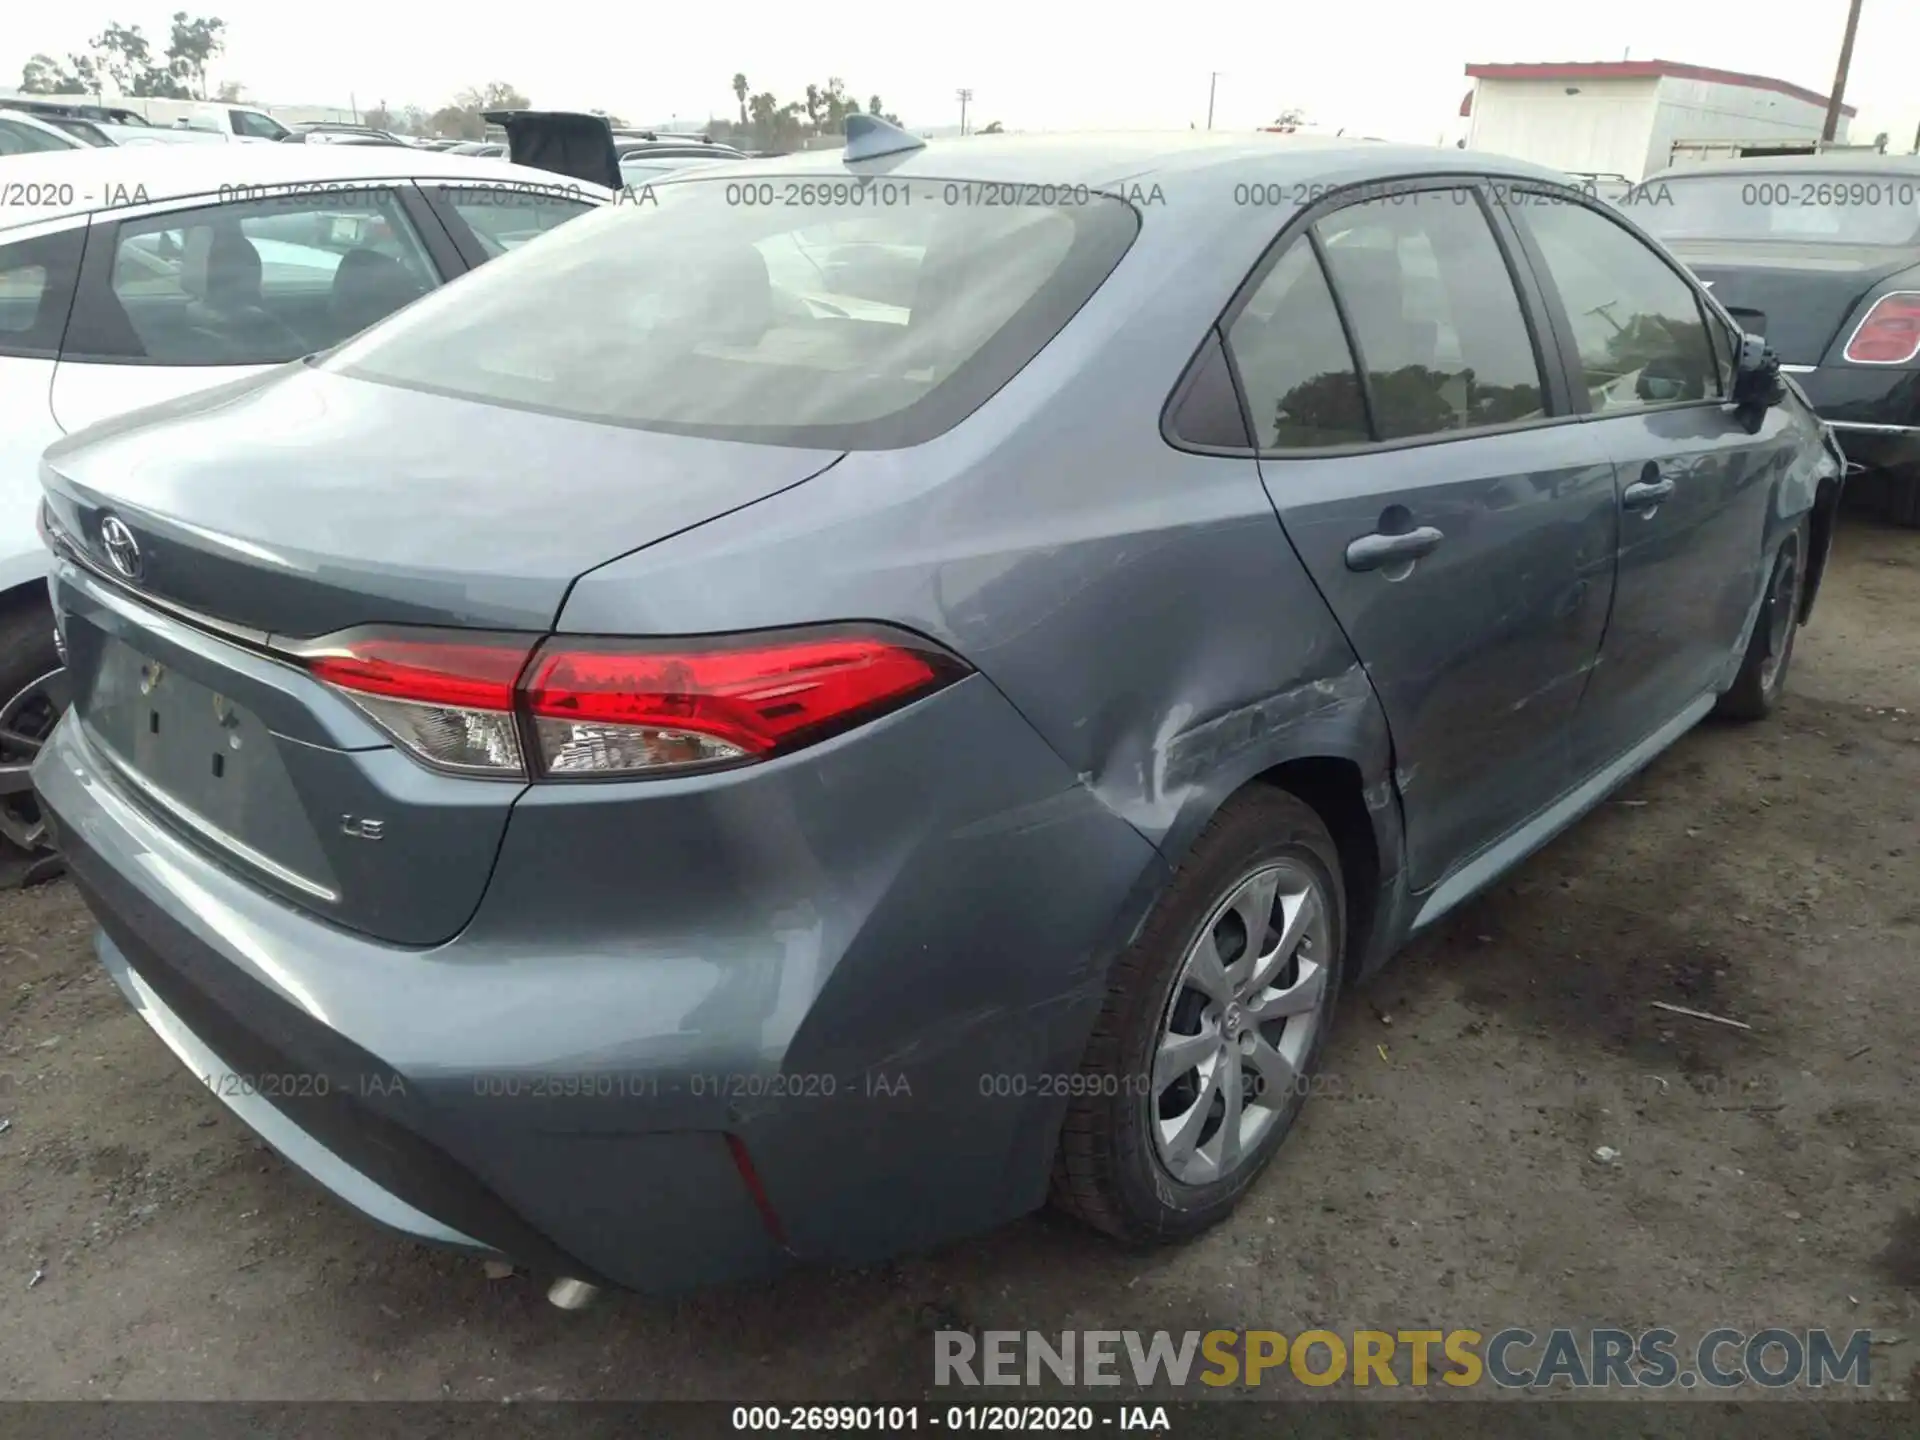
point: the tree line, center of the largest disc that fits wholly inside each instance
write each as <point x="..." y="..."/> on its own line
<point x="765" y="123"/>
<point x="459" y="119"/>
<point x="121" y="58"/>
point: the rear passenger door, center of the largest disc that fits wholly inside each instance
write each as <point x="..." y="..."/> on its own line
<point x="1417" y="442"/>
<point x="1693" y="484"/>
<point x="181" y="296"/>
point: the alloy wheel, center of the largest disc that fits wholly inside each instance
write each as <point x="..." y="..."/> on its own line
<point x="27" y="718"/>
<point x="1240" y="1023"/>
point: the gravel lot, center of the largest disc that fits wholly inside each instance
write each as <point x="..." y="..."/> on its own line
<point x="1764" y="1178"/>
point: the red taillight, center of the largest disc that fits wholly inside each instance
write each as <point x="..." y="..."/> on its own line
<point x="619" y="707"/>
<point x="446" y="697"/>
<point x="603" y="708"/>
<point x="1890" y="335"/>
<point x="426" y="671"/>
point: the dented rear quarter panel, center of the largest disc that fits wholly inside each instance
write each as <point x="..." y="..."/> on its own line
<point x="1139" y="605"/>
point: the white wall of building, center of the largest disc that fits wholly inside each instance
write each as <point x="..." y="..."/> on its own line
<point x="1628" y="126"/>
<point x="1711" y="110"/>
<point x="316" y="114"/>
<point x="1605" y="125"/>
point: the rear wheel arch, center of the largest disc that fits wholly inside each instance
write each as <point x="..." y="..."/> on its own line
<point x="1335" y="790"/>
<point x="1826" y="511"/>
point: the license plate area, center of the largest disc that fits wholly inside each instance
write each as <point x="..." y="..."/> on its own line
<point x="196" y="747"/>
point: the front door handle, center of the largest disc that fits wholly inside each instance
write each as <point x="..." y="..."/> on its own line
<point x="1645" y="494"/>
<point x="1370" y="552"/>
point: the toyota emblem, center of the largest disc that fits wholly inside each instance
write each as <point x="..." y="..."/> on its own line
<point x="123" y="551"/>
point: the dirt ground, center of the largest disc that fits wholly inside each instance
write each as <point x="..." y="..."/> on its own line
<point x="1448" y="1177"/>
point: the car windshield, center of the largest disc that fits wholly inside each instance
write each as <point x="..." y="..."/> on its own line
<point x="1860" y="208"/>
<point x="865" y="315"/>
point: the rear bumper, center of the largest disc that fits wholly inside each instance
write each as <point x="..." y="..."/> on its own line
<point x="1874" y="410"/>
<point x="566" y="1083"/>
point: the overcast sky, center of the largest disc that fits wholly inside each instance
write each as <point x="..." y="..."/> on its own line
<point x="1394" y="70"/>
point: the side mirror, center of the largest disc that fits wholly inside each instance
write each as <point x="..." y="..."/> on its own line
<point x="1756" y="379"/>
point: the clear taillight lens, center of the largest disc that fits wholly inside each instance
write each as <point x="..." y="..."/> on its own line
<point x="1890" y="335"/>
<point x="447" y="699"/>
<point x="613" y="708"/>
<point x="622" y="707"/>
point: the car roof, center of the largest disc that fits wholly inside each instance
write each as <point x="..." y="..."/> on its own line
<point x="1114" y="158"/>
<point x="102" y="177"/>
<point x="1898" y="165"/>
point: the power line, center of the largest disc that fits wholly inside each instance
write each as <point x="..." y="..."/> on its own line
<point x="964" y="97"/>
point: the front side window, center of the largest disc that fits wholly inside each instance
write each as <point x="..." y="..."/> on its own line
<point x="256" y="126"/>
<point x="253" y="283"/>
<point x="866" y="321"/>
<point x="1434" y="314"/>
<point x="1638" y="326"/>
<point x="505" y="218"/>
<point x="1293" y="359"/>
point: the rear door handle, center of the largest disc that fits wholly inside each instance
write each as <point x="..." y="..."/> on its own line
<point x="1645" y="494"/>
<point x="1370" y="552"/>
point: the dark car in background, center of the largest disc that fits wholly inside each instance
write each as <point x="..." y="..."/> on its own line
<point x="334" y="132"/>
<point x="83" y="130"/>
<point x="740" y="734"/>
<point x="1821" y="254"/>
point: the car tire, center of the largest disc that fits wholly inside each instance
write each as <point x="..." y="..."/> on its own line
<point x="28" y="656"/>
<point x="1757" y="689"/>
<point x="1123" y="1165"/>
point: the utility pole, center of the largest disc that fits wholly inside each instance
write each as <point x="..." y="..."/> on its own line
<point x="1840" y="74"/>
<point x="1212" y="80"/>
<point x="963" y="96"/>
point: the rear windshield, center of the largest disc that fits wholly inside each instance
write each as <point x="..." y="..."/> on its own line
<point x="1840" y="208"/>
<point x="839" y="314"/>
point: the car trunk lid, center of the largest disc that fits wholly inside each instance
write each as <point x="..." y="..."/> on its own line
<point x="299" y="503"/>
<point x="206" y="538"/>
<point x="566" y="142"/>
<point x="1797" y="295"/>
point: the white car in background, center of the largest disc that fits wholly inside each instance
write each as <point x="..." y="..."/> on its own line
<point x="87" y="134"/>
<point x="214" y="117"/>
<point x="131" y="278"/>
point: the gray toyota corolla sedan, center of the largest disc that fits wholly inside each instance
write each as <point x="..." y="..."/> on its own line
<point x="800" y="714"/>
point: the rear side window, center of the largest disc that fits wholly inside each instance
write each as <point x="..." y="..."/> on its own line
<point x="1434" y="313"/>
<point x="875" y="316"/>
<point x="506" y="217"/>
<point x="1796" y="206"/>
<point x="1294" y="364"/>
<point x="253" y="283"/>
<point x="18" y="139"/>
<point x="1641" y="333"/>
<point x="36" y="290"/>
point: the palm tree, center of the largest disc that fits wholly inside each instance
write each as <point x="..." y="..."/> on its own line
<point x="740" y="94"/>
